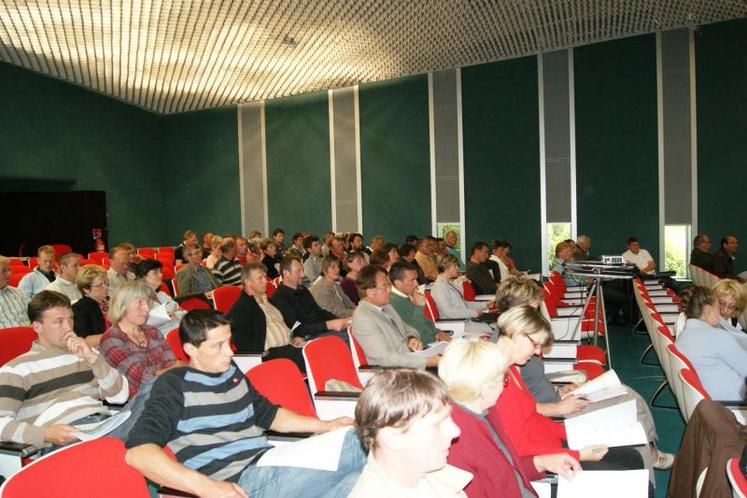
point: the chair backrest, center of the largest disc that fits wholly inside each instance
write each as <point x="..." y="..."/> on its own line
<point x="736" y="478"/>
<point x="60" y="249"/>
<point x="193" y="303"/>
<point x="33" y="262"/>
<point x="329" y="358"/>
<point x="175" y="343"/>
<point x="16" y="274"/>
<point x="225" y="297"/>
<point x="359" y="357"/>
<point x="468" y="290"/>
<point x="98" y="256"/>
<point x="693" y="391"/>
<point x="430" y="309"/>
<point x="166" y="249"/>
<point x="146" y="252"/>
<point x="15" y="341"/>
<point x="270" y="288"/>
<point x="167" y="271"/>
<point x="281" y="382"/>
<point x="18" y="262"/>
<point x="85" y="470"/>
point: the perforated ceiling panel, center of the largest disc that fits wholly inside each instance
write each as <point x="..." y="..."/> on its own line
<point x="179" y="55"/>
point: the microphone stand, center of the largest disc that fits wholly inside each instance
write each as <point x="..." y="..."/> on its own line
<point x="597" y="272"/>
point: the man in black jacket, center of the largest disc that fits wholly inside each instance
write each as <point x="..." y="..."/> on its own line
<point x="723" y="260"/>
<point x="701" y="253"/>
<point x="257" y="325"/>
<point x="301" y="313"/>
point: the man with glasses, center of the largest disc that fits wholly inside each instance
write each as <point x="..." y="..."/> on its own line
<point x="386" y="340"/>
<point x="195" y="278"/>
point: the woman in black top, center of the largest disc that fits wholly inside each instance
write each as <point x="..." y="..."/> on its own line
<point x="89" y="312"/>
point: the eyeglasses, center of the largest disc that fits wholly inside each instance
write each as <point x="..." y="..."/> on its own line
<point x="727" y="306"/>
<point x="387" y="287"/>
<point x="534" y="343"/>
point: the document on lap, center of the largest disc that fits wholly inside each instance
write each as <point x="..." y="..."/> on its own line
<point x="435" y="349"/>
<point x="612" y="484"/>
<point x="320" y="452"/>
<point x="89" y="432"/>
<point x="614" y="426"/>
<point x="605" y="386"/>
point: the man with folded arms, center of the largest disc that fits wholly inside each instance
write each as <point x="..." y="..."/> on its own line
<point x="213" y="420"/>
<point x="69" y="265"/>
<point x="60" y="382"/>
<point x="300" y="311"/>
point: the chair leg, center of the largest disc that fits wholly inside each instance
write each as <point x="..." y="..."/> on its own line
<point x="656" y="395"/>
<point x="636" y="331"/>
<point x="643" y="357"/>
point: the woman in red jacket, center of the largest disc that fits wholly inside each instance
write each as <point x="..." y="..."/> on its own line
<point x="474" y="373"/>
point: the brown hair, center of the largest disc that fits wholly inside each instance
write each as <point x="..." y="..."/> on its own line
<point x="699" y="298"/>
<point x="516" y="291"/>
<point x="44" y="301"/>
<point x="395" y="398"/>
<point x="367" y="278"/>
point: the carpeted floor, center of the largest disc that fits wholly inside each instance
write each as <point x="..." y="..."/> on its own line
<point x="626" y="351"/>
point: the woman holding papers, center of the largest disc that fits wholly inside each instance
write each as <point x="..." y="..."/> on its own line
<point x="475" y="373"/>
<point x="138" y="351"/>
<point x="165" y="313"/>
<point x="523" y="332"/>
<point x="717" y="356"/>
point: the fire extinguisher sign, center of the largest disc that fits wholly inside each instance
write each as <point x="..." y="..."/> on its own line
<point x="96" y="232"/>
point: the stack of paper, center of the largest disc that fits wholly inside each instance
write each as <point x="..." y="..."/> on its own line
<point x="610" y="484"/>
<point x="89" y="432"/>
<point x="437" y="348"/>
<point x="613" y="426"/>
<point x="605" y="386"/>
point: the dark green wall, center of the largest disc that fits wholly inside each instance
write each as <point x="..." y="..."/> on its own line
<point x="395" y="158"/>
<point x="298" y="177"/>
<point x="721" y="71"/>
<point x="56" y="136"/>
<point x="200" y="177"/>
<point x="617" y="144"/>
<point x="500" y="116"/>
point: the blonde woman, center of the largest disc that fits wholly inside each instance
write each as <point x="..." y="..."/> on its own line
<point x="89" y="312"/>
<point x="215" y="252"/>
<point x="732" y="298"/>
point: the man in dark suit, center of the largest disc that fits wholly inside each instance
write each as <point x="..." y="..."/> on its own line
<point x="723" y="260"/>
<point x="701" y="253"/>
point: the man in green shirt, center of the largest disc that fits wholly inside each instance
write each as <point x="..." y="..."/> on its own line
<point x="409" y="303"/>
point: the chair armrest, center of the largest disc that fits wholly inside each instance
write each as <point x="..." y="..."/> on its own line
<point x="22" y="450"/>
<point x="373" y="367"/>
<point x="166" y="492"/>
<point x="287" y="436"/>
<point x="732" y="403"/>
<point x="336" y="395"/>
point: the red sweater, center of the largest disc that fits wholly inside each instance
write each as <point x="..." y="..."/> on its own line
<point x="530" y="432"/>
<point x="477" y="452"/>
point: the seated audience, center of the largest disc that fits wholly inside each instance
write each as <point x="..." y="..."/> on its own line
<point x="69" y="265"/>
<point x="477" y="271"/>
<point x="301" y="313"/>
<point x="641" y="258"/>
<point x="403" y="419"/>
<point x="327" y="291"/>
<point x="337" y="248"/>
<point x="137" y="351"/>
<point x="355" y="241"/>
<point x="449" y="299"/>
<point x="278" y="238"/>
<point x="440" y="250"/>
<point x="271" y="257"/>
<point x="353" y="264"/>
<point x="207" y="239"/>
<point x="718" y="358"/>
<point x="133" y="257"/>
<point x="243" y="254"/>
<point x="412" y="240"/>
<point x="475" y="375"/>
<point x="227" y="269"/>
<point x="13" y="302"/>
<point x="409" y="303"/>
<point x="723" y="259"/>
<point x="523" y="333"/>
<point x="194" y="278"/>
<point x="582" y="252"/>
<point x="257" y="325"/>
<point x="732" y="299"/>
<point x="119" y="268"/>
<point x="213" y="421"/>
<point x="31" y="412"/>
<point x="407" y="253"/>
<point x="701" y="256"/>
<point x="215" y="252"/>
<point x="33" y="283"/>
<point x="386" y="256"/>
<point x="425" y="259"/>
<point x="496" y="263"/>
<point x="312" y="266"/>
<point x="377" y="242"/>
<point x="385" y="339"/>
<point x="189" y="240"/>
<point x="149" y="272"/>
<point x="451" y="241"/>
<point x="564" y="254"/>
<point x="90" y="311"/>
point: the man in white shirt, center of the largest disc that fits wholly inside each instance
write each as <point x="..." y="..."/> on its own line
<point x="639" y="257"/>
<point x="35" y="282"/>
<point x="65" y="282"/>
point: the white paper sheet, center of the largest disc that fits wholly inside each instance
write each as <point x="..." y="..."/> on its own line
<point x="614" y="426"/>
<point x="320" y="452"/>
<point x="610" y="484"/>
<point x="89" y="432"/>
<point x="158" y="315"/>
<point x="437" y="348"/>
<point x="542" y="488"/>
<point x="610" y="392"/>
<point x="606" y="380"/>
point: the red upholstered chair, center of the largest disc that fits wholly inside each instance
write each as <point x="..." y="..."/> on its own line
<point x="281" y="382"/>
<point x="98" y="256"/>
<point x="17" y="262"/>
<point x="166" y="249"/>
<point x="15" y="341"/>
<point x="16" y="274"/>
<point x="736" y="478"/>
<point x="85" y="470"/>
<point x="175" y="343"/>
<point x="430" y="309"/>
<point x="270" y="288"/>
<point x="193" y="303"/>
<point x="146" y="252"/>
<point x="60" y="249"/>
<point x="329" y="358"/>
<point x="469" y="291"/>
<point x="225" y="297"/>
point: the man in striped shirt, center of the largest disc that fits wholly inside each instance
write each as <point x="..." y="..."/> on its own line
<point x="228" y="269"/>
<point x="213" y="420"/>
<point x="58" y="383"/>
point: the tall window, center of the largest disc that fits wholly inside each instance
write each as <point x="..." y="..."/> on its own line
<point x="677" y="245"/>
<point x="556" y="232"/>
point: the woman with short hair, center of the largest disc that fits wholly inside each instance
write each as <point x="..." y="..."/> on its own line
<point x="327" y="291"/>
<point x="732" y="298"/>
<point x="447" y="296"/>
<point x="354" y="262"/>
<point x="718" y="358"/>
<point x="89" y="312"/>
<point x="149" y="271"/>
<point x="138" y="351"/>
